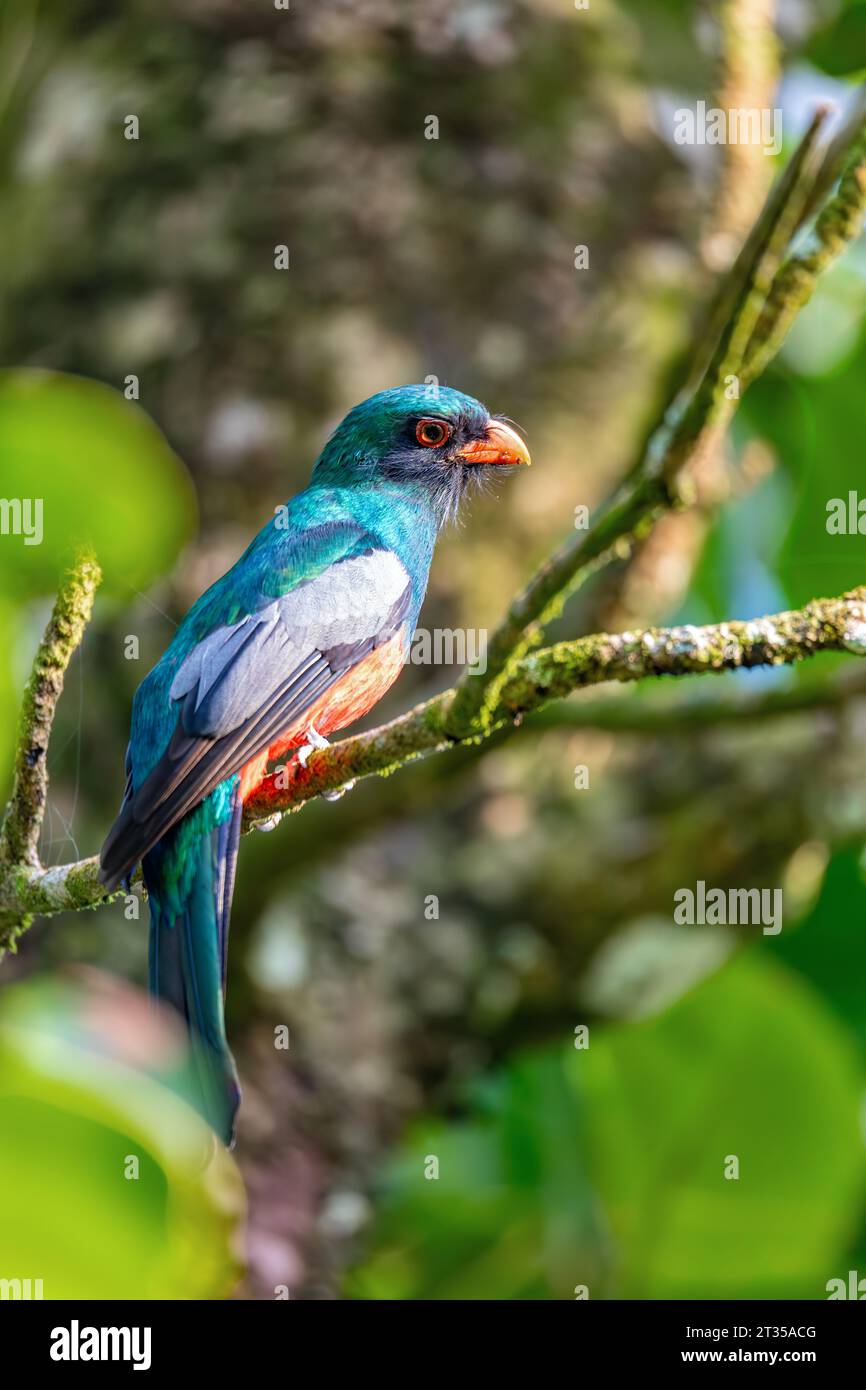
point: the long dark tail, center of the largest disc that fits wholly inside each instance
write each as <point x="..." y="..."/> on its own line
<point x="190" y="880"/>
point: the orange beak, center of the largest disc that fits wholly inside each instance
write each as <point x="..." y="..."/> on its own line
<point x="500" y="444"/>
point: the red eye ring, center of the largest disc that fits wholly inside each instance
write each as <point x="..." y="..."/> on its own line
<point x="432" y="433"/>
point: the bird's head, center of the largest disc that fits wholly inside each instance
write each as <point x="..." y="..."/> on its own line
<point x="434" y="441"/>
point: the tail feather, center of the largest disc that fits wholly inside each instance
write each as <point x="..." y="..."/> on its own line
<point x="227" y="861"/>
<point x="190" y="878"/>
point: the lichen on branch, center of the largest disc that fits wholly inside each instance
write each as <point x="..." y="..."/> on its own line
<point x="22" y="822"/>
<point x="836" y="624"/>
<point x="746" y="323"/>
<point x="28" y="889"/>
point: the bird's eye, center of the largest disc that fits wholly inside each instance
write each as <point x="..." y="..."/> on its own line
<point x="432" y="433"/>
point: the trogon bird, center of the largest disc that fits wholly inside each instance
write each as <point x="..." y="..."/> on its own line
<point x="302" y="636"/>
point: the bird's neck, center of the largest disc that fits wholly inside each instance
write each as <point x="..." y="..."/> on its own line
<point x="402" y="517"/>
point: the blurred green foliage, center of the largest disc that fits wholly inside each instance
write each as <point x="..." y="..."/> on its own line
<point x="154" y="257"/>
<point x="605" y="1167"/>
<point x="829" y="945"/>
<point x="113" y="1186"/>
<point x="88" y="469"/>
<point x="100" y="469"/>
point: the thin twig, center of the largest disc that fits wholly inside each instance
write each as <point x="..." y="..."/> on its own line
<point x="840" y="223"/>
<point x="749" y="69"/>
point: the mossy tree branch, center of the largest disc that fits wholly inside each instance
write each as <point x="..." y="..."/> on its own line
<point x="750" y="315"/>
<point x="837" y="624"/>
<point x="22" y="822"/>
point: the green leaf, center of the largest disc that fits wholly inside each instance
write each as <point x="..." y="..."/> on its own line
<point x="506" y="1212"/>
<point x="829" y="946"/>
<point x="90" y="468"/>
<point x="112" y="1186"/>
<point x="840" y="47"/>
<point x="812" y="424"/>
<point x="750" y="1065"/>
<point x="605" y="1167"/>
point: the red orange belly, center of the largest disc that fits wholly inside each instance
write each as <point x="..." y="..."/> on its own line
<point x="356" y="692"/>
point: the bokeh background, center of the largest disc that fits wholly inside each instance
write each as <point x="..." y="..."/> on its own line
<point x="449" y="1042"/>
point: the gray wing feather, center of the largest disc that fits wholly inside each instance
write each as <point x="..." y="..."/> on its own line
<point x="244" y="683"/>
<point x="234" y="670"/>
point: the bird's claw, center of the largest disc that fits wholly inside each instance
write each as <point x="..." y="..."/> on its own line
<point x="316" y="740"/>
<point x="313" y="740"/>
<point x="270" y="824"/>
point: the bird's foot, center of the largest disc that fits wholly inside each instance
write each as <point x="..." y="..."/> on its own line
<point x="313" y="740"/>
<point x="316" y="740"/>
<point x="270" y="824"/>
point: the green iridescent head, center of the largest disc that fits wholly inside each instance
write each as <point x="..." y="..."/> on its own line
<point x="435" y="440"/>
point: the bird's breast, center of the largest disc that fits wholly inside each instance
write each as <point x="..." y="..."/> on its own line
<point x="348" y="699"/>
